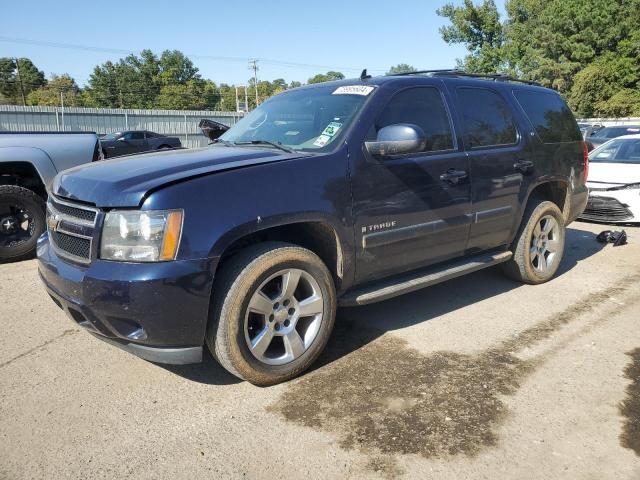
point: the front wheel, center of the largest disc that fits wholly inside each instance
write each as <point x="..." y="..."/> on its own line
<point x="538" y="249"/>
<point x="272" y="314"/>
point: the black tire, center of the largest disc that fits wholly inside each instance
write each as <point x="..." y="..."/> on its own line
<point x="164" y="147"/>
<point x="523" y="265"/>
<point x="239" y="279"/>
<point x="16" y="204"/>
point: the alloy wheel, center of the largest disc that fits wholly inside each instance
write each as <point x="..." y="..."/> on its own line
<point x="283" y="317"/>
<point x="545" y="243"/>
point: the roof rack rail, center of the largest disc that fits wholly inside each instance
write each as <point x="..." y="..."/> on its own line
<point x="496" y="77"/>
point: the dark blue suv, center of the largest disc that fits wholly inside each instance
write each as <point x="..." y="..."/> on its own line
<point x="341" y="193"/>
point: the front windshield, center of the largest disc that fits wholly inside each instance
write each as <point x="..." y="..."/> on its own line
<point x="112" y="136"/>
<point x="620" y="150"/>
<point x="309" y="119"/>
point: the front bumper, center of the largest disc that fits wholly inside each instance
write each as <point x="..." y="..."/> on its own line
<point x="613" y="206"/>
<point x="158" y="311"/>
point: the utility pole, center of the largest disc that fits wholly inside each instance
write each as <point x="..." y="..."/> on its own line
<point x="24" y="100"/>
<point x="253" y="65"/>
<point x="62" y="107"/>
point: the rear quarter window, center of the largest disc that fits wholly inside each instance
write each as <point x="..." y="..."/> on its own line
<point x="486" y="118"/>
<point x="549" y="115"/>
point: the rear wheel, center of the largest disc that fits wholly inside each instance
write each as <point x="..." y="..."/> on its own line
<point x="273" y="311"/>
<point x="539" y="247"/>
<point x="22" y="221"/>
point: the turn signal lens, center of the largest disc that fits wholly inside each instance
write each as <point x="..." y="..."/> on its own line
<point x="172" y="235"/>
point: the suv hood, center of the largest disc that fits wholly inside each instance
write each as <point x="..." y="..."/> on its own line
<point x="126" y="181"/>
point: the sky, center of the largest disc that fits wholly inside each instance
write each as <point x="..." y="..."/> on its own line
<point x="291" y="40"/>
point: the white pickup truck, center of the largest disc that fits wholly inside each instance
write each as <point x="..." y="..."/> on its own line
<point x="28" y="163"/>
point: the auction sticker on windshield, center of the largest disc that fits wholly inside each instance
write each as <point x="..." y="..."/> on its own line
<point x="353" y="90"/>
<point x="331" y="129"/>
<point x="322" y="140"/>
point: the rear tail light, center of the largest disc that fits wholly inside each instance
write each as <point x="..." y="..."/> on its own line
<point x="585" y="159"/>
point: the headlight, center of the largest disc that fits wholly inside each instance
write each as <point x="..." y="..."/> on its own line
<point x="141" y="236"/>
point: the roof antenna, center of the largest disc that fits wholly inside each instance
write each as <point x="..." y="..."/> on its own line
<point x="363" y="75"/>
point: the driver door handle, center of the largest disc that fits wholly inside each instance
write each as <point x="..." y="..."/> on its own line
<point x="523" y="166"/>
<point x="453" y="176"/>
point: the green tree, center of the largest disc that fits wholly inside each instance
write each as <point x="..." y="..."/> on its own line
<point x="194" y="94"/>
<point x="176" y="68"/>
<point x="400" y="68"/>
<point x="588" y="51"/>
<point x="17" y="78"/>
<point x="551" y="41"/>
<point x="49" y="95"/>
<point x="480" y="29"/>
<point x="170" y="81"/>
<point x="326" y="77"/>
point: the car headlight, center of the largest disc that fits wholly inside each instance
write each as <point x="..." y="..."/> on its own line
<point x="141" y="236"/>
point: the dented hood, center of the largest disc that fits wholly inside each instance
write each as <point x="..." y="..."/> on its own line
<point x="126" y="181"/>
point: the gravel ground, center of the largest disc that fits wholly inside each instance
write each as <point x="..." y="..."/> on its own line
<point x="479" y="377"/>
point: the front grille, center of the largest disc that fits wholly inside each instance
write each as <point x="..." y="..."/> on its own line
<point x="80" y="213"/>
<point x="71" y="229"/>
<point x="78" y="247"/>
<point x="606" y="208"/>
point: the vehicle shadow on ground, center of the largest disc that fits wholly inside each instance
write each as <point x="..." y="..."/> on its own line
<point x="358" y="326"/>
<point x="208" y="372"/>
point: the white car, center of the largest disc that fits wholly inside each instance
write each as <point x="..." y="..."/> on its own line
<point x="614" y="181"/>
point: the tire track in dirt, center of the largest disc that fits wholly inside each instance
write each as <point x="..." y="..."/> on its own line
<point x="387" y="399"/>
<point x="630" y="406"/>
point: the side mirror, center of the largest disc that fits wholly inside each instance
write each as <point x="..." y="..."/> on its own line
<point x="122" y="139"/>
<point x="211" y="129"/>
<point x="398" y="139"/>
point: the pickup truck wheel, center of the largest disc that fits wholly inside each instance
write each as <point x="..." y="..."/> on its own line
<point x="538" y="249"/>
<point x="22" y="221"/>
<point x="273" y="311"/>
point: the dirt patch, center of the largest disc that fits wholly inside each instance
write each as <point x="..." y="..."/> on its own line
<point x="630" y="407"/>
<point x="388" y="398"/>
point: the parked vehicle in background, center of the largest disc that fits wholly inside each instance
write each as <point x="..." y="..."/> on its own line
<point x="28" y="163"/>
<point x="212" y="129"/>
<point x="607" y="133"/>
<point x="588" y="129"/>
<point x="614" y="181"/>
<point x="136" y="141"/>
<point x="347" y="192"/>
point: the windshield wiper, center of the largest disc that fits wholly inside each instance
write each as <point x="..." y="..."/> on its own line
<point x="226" y="143"/>
<point x="267" y="142"/>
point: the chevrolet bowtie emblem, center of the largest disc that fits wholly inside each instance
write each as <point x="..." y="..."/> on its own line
<point x="52" y="222"/>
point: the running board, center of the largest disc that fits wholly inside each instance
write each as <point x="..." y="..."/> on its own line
<point x="424" y="278"/>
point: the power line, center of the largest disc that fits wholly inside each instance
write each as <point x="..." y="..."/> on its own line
<point x="281" y="63"/>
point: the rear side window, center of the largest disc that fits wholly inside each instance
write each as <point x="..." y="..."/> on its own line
<point x="613" y="132"/>
<point x="424" y="107"/>
<point x="134" y="136"/>
<point x="549" y="115"/>
<point x="487" y="119"/>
